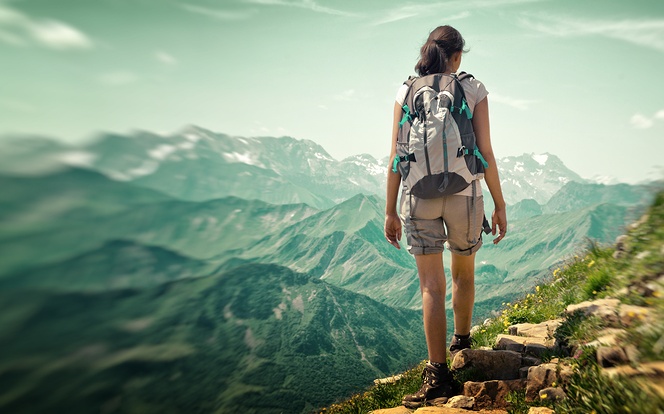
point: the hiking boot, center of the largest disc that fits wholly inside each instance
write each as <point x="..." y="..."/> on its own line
<point x="437" y="387"/>
<point x="458" y="343"/>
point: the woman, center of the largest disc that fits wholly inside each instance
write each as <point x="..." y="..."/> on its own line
<point x="431" y="222"/>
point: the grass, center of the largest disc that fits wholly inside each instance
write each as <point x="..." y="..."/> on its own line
<point x="591" y="275"/>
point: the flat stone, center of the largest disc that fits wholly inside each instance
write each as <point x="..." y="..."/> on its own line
<point x="395" y="410"/>
<point x="650" y="375"/>
<point x="540" y="410"/>
<point x="461" y="401"/>
<point x="492" y="364"/>
<point x="388" y="380"/>
<point x="538" y="330"/>
<point x="449" y="410"/>
<point x="520" y="343"/>
<point x="608" y="337"/>
<point x="491" y="393"/>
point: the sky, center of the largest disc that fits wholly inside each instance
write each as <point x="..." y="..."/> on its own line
<point x="578" y="79"/>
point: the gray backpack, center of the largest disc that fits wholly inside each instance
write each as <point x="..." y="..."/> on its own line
<point x="436" y="150"/>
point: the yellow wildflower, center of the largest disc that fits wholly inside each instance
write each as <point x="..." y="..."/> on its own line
<point x="516" y="305"/>
<point x="544" y="396"/>
<point x="537" y="288"/>
<point x="555" y="272"/>
<point x="591" y="264"/>
<point x="553" y="384"/>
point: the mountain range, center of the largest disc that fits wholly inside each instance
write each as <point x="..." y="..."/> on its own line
<point x="204" y="247"/>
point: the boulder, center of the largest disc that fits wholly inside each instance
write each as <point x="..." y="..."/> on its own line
<point x="491" y="393"/>
<point x="540" y="377"/>
<point x="493" y="365"/>
<point x="552" y="394"/>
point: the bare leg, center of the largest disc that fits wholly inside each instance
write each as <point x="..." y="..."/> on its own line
<point x="432" y="284"/>
<point x="463" y="292"/>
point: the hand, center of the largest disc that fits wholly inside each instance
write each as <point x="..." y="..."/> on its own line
<point x="499" y="220"/>
<point x="393" y="229"/>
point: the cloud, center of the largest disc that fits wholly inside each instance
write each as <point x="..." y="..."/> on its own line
<point x="408" y="11"/>
<point x="302" y="4"/>
<point x="118" y="78"/>
<point x="165" y="58"/>
<point x="346" y="95"/>
<point x="642" y="32"/>
<point x="640" y="121"/>
<point x="19" y="29"/>
<point x="520" y="104"/>
<point x="219" y="14"/>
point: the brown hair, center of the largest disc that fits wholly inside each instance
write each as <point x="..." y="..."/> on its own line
<point x="442" y="43"/>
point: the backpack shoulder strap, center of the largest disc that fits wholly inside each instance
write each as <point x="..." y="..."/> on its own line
<point x="463" y="75"/>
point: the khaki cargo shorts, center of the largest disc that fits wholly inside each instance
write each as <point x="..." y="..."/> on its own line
<point x="455" y="219"/>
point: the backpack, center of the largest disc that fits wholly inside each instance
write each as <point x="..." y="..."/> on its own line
<point x="436" y="150"/>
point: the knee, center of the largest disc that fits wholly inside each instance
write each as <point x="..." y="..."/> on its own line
<point x="433" y="288"/>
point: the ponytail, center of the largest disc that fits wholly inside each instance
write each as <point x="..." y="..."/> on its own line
<point x="442" y="43"/>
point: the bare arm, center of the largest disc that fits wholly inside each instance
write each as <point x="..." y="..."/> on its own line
<point x="483" y="135"/>
<point x="392" y="221"/>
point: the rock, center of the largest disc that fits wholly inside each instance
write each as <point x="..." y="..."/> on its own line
<point x="608" y="337"/>
<point x="565" y="373"/>
<point x="395" y="410"/>
<point x="540" y="377"/>
<point x="530" y="361"/>
<point x="629" y="314"/>
<point x="491" y="393"/>
<point x="650" y="375"/>
<point x="552" y="394"/>
<point x="642" y="255"/>
<point x="619" y="254"/>
<point x="474" y="329"/>
<point x="537" y="349"/>
<point x="633" y="354"/>
<point x="523" y="372"/>
<point x="520" y="343"/>
<point x="539" y="330"/>
<point x="461" y="401"/>
<point x="540" y="410"/>
<point x="606" y="309"/>
<point x="388" y="380"/>
<point x="610" y="356"/>
<point x="448" y="410"/>
<point x="493" y="365"/>
<point x="621" y="242"/>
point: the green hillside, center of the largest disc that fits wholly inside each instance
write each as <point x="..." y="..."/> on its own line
<point x="118" y="264"/>
<point x="256" y="339"/>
